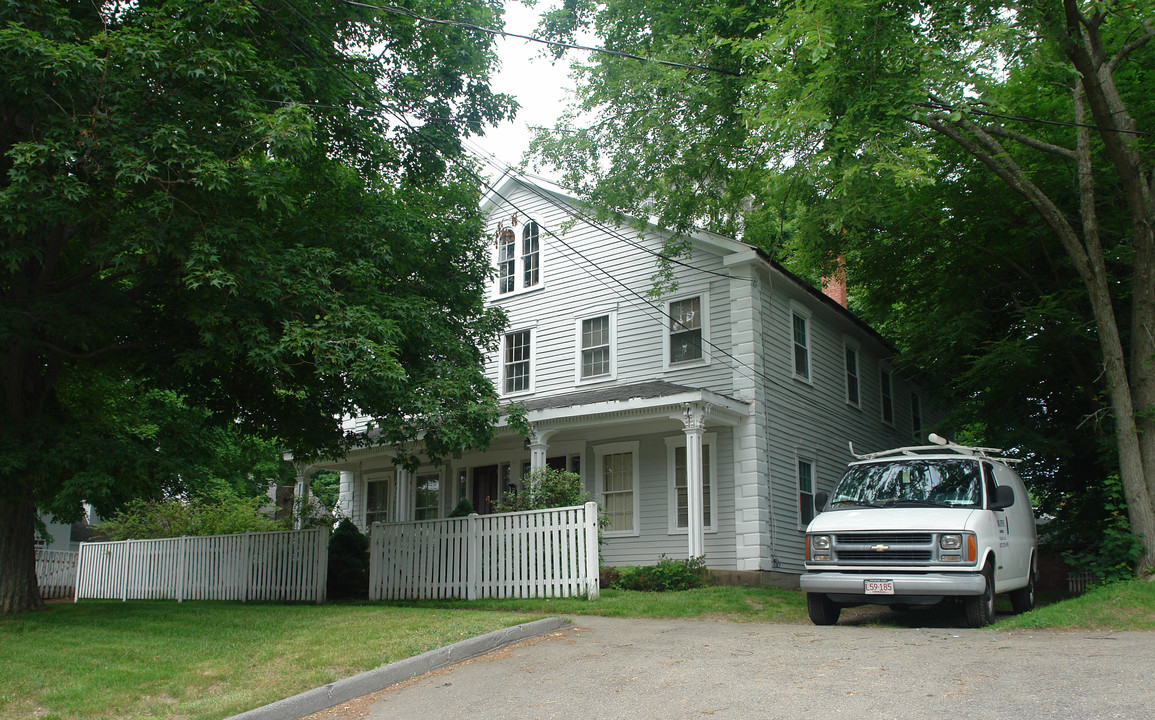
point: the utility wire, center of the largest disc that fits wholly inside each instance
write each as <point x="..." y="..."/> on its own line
<point x="647" y="306"/>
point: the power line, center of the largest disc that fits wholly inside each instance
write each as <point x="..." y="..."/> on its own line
<point x="647" y="306"/>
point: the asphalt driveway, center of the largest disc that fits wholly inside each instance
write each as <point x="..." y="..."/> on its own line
<point x="611" y="668"/>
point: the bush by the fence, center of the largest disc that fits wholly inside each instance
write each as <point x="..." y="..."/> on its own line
<point x="348" y="563"/>
<point x="668" y="575"/>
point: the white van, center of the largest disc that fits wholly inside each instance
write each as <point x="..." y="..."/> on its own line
<point x="918" y="525"/>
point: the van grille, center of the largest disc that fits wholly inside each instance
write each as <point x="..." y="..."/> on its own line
<point x="884" y="548"/>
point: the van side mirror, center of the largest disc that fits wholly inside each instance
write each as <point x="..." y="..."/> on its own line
<point x="1004" y="497"/>
<point x="820" y="499"/>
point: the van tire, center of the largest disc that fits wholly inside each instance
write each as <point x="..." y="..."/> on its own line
<point x="822" y="610"/>
<point x="1023" y="599"/>
<point x="981" y="608"/>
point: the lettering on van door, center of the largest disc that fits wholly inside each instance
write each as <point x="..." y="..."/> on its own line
<point x="1004" y="531"/>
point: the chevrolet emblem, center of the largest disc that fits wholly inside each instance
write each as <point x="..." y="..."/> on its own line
<point x="880" y="548"/>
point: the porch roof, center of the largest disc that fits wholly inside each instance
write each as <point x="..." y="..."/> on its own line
<point x="634" y="401"/>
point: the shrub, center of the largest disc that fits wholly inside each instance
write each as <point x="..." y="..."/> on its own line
<point x="464" y="508"/>
<point x="348" y="563"/>
<point x="223" y="514"/>
<point x="543" y="489"/>
<point x="1109" y="551"/>
<point x="667" y="575"/>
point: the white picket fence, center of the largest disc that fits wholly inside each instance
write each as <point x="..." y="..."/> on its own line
<point x="289" y="565"/>
<point x="541" y="553"/>
<point x="56" y="573"/>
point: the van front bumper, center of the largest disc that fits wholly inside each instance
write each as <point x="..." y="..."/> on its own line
<point x="905" y="584"/>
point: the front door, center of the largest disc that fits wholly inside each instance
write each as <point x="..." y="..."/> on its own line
<point x="485" y="489"/>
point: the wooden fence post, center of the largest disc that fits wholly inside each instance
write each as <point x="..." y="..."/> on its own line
<point x="473" y="555"/>
<point x="591" y="537"/>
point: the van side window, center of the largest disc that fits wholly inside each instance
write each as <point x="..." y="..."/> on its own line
<point x="989" y="483"/>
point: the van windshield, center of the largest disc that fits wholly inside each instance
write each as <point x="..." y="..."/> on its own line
<point x="946" y="483"/>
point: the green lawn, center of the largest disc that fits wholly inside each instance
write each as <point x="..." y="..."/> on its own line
<point x="135" y="660"/>
<point x="202" y="660"/>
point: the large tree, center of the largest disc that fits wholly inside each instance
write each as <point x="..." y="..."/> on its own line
<point x="848" y="106"/>
<point x="257" y="204"/>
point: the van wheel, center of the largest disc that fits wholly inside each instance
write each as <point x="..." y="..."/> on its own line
<point x="981" y="608"/>
<point x="1023" y="599"/>
<point x="822" y="610"/>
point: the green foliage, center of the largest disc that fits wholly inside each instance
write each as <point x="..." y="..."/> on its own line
<point x="1102" y="541"/>
<point x="348" y="577"/>
<point x="668" y="575"/>
<point x="543" y="489"/>
<point x="325" y="485"/>
<point x="220" y="515"/>
<point x="464" y="508"/>
<point x="259" y="209"/>
<point x="914" y="142"/>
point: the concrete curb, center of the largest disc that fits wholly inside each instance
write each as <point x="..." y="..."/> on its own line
<point x="371" y="681"/>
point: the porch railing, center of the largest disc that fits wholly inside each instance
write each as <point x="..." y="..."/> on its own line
<point x="540" y="553"/>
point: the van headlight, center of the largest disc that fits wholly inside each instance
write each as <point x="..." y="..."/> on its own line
<point x="950" y="542"/>
<point x="819" y="548"/>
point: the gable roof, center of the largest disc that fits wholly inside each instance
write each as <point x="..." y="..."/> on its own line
<point x="501" y="190"/>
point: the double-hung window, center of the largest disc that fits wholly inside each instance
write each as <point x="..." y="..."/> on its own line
<point x="886" y="391"/>
<point x="805" y="492"/>
<point x="378" y="500"/>
<point x="916" y="417"/>
<point x="506" y="278"/>
<point x="679" y="483"/>
<point x="595" y="347"/>
<point x="530" y="254"/>
<point x="428" y="496"/>
<point x="516" y="362"/>
<point x="617" y="480"/>
<point x="518" y="267"/>
<point x="800" y="335"/>
<point x="686" y="330"/>
<point x="852" y="396"/>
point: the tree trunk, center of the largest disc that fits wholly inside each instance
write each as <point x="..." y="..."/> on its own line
<point x="19" y="591"/>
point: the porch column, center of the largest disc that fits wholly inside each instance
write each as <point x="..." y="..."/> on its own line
<point x="402" y="509"/>
<point x="537" y="449"/>
<point x="300" y="494"/>
<point x="345" y="494"/>
<point x="694" y="419"/>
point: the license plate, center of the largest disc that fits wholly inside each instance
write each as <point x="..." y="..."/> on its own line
<point x="879" y="587"/>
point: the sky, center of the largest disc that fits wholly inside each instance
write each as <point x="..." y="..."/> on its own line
<point x="539" y="86"/>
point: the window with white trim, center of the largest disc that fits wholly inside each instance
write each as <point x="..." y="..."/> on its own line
<point x="506" y="279"/>
<point x="516" y="365"/>
<point x="378" y="500"/>
<point x="885" y="385"/>
<point x="617" y="481"/>
<point x="428" y="502"/>
<point x="800" y="337"/>
<point x="852" y="394"/>
<point x="805" y="491"/>
<point x="679" y="493"/>
<point x="916" y="417"/>
<point x="530" y="254"/>
<point x="687" y="330"/>
<point x="596" y="347"/>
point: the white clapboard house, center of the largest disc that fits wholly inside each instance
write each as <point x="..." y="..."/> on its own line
<point x="702" y="421"/>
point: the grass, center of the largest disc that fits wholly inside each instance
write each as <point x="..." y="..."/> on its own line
<point x="193" y="661"/>
<point x="1128" y="605"/>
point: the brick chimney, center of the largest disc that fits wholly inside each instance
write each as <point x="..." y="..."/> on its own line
<point x="834" y="285"/>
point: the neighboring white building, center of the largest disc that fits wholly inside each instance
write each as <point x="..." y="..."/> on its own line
<point x="727" y="401"/>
